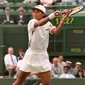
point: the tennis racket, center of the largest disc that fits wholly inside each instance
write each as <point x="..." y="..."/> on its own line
<point x="75" y="10"/>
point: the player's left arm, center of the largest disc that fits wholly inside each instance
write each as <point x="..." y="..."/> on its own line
<point x="58" y="29"/>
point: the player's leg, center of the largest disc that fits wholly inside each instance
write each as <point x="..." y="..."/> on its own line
<point x="45" y="77"/>
<point x="22" y="76"/>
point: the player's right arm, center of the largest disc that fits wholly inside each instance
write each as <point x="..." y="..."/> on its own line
<point x="46" y="19"/>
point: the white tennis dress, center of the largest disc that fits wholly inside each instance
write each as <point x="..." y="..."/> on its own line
<point x="36" y="57"/>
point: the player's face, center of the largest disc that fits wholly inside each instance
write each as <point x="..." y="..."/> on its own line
<point x="37" y="14"/>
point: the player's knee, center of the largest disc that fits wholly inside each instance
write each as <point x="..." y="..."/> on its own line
<point x="14" y="83"/>
<point x="46" y="82"/>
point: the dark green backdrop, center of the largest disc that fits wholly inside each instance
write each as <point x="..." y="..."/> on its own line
<point x="66" y="44"/>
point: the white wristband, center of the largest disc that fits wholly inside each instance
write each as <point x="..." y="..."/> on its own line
<point x="51" y="16"/>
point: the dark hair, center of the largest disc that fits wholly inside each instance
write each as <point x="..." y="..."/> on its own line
<point x="80" y="70"/>
<point x="20" y="50"/>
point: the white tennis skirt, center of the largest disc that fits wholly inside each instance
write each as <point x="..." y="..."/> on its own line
<point x="35" y="61"/>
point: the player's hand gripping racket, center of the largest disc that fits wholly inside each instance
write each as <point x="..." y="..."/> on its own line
<point x="75" y="10"/>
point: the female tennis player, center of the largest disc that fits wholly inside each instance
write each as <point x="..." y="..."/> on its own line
<point x="36" y="58"/>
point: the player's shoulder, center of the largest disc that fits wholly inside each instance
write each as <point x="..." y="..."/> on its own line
<point x="32" y="21"/>
<point x="48" y="23"/>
